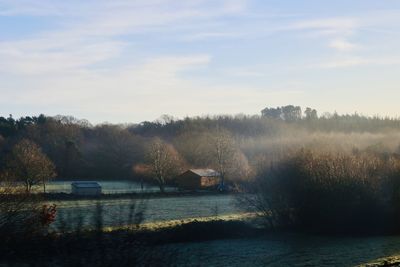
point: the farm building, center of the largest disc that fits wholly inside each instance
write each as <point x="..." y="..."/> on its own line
<point x="86" y="188"/>
<point x="198" y="179"/>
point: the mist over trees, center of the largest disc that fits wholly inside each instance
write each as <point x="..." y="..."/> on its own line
<point x="233" y="145"/>
<point x="330" y="192"/>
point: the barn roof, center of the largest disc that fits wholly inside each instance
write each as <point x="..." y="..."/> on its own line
<point x="86" y="184"/>
<point x="205" y="172"/>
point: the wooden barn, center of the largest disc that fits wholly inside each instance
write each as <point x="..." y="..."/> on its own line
<point x="198" y="179"/>
<point x="86" y="188"/>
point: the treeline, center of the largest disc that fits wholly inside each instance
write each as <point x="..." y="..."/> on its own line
<point x="234" y="145"/>
<point x="271" y="122"/>
<point x="78" y="149"/>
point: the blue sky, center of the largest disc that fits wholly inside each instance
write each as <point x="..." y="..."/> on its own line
<point x="129" y="61"/>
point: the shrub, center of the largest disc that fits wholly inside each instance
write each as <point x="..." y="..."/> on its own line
<point x="331" y="192"/>
<point x="22" y="216"/>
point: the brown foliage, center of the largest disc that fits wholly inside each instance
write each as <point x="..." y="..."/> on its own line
<point x="164" y="162"/>
<point x="27" y="163"/>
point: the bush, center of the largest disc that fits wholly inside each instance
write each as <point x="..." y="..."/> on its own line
<point x="331" y="192"/>
<point x="21" y="215"/>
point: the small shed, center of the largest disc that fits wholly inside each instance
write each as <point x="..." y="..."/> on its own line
<point x="86" y="188"/>
<point x="198" y="179"/>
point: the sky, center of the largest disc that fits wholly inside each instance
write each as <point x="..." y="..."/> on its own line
<point x="130" y="61"/>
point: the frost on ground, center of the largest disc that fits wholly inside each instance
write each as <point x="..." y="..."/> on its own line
<point x="386" y="261"/>
<point x="287" y="250"/>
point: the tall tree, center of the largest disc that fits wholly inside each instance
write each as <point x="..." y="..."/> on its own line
<point x="223" y="152"/>
<point x="311" y="114"/>
<point x="164" y="162"/>
<point x="28" y="164"/>
<point x="274" y="113"/>
<point x="287" y="113"/>
<point x="291" y="113"/>
<point x="60" y="139"/>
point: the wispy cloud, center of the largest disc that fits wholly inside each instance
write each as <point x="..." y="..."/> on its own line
<point x="339" y="25"/>
<point x="335" y="30"/>
<point x="92" y="36"/>
<point x="344" y="63"/>
<point x="148" y="88"/>
<point x="34" y="58"/>
<point x="140" y="58"/>
<point x="358" y="62"/>
<point x="343" y="45"/>
<point x="210" y="35"/>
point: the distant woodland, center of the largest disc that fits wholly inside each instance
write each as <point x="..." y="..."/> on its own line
<point x="236" y="145"/>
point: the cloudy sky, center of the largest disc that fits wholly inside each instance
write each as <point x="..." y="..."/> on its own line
<point x="129" y="61"/>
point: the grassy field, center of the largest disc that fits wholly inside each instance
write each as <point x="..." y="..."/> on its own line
<point x="156" y="210"/>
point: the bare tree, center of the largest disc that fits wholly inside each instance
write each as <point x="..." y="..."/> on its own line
<point x="223" y="152"/>
<point x="28" y="164"/>
<point x="164" y="162"/>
